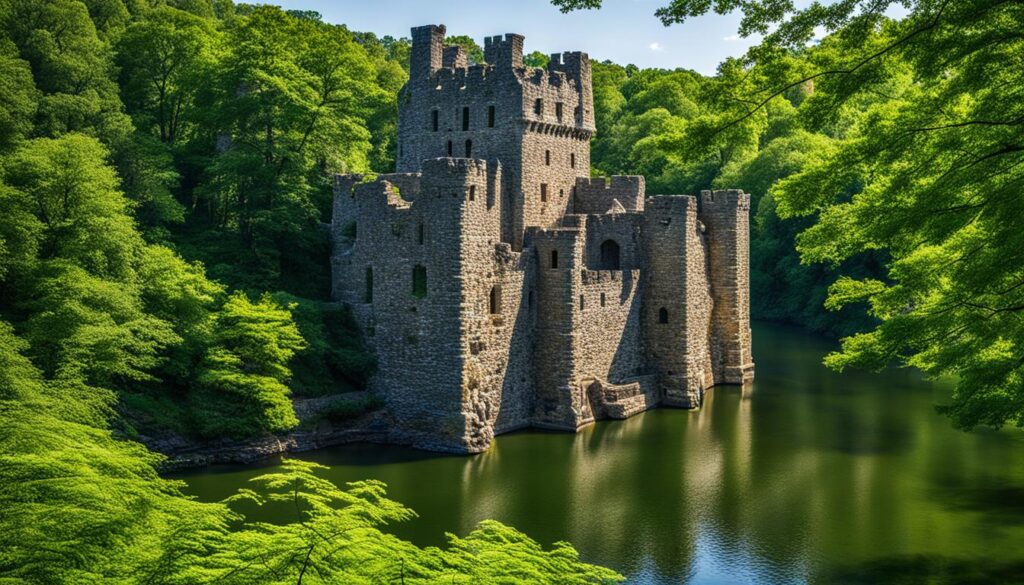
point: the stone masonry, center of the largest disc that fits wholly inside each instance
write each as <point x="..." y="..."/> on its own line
<point x="502" y="287"/>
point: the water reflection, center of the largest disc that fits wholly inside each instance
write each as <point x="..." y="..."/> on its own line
<point x="806" y="476"/>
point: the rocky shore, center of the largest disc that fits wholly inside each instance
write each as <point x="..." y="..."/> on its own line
<point x="315" y="431"/>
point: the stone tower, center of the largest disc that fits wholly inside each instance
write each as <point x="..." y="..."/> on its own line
<point x="502" y="287"/>
<point x="504" y="112"/>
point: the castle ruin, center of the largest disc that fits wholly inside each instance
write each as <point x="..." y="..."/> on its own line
<point x="502" y="287"/>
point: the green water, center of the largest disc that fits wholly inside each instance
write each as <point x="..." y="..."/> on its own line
<point x="807" y="476"/>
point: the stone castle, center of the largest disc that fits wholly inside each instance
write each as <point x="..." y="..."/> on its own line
<point x="502" y="287"/>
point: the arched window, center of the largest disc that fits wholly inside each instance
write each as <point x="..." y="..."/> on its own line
<point x="465" y="119"/>
<point x="609" y="255"/>
<point x="490" y="117"/>
<point x="472" y="192"/>
<point x="469" y="149"/>
<point x="419" y="282"/>
<point x="368" y="295"/>
<point x="434" y="119"/>
<point x="554" y="258"/>
<point x="582" y="303"/>
<point x="663" y="315"/>
<point x="572" y="160"/>
<point x="602" y="299"/>
<point x="421" y="235"/>
<point x="495" y="300"/>
<point x="547" y="158"/>
<point x="449" y="148"/>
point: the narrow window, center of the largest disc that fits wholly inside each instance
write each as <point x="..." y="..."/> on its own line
<point x="495" y="300"/>
<point x="572" y="160"/>
<point x="368" y="295"/>
<point x="420" y="236"/>
<point x="561" y="193"/>
<point x="419" y="282"/>
<point x="529" y="300"/>
<point x="547" y="157"/>
<point x="449" y="148"/>
<point x="663" y="315"/>
<point x="538" y="107"/>
<point x="602" y="299"/>
<point x="554" y="258"/>
<point x="543" y="192"/>
<point x="490" y="117"/>
<point x="582" y="303"/>
<point x="472" y="192"/>
<point x="465" y="119"/>
<point x="469" y="149"/>
<point x="434" y="119"/>
<point x="558" y="111"/>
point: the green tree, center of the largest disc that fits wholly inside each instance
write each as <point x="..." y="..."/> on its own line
<point x="474" y="52"/>
<point x="243" y="377"/>
<point x="941" y="178"/>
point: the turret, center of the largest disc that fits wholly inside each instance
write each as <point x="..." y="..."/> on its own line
<point x="504" y="53"/>
<point x="576" y="66"/>
<point x="427" y="51"/>
<point x="726" y="214"/>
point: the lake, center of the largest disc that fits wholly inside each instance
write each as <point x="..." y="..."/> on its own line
<point x="807" y="476"/>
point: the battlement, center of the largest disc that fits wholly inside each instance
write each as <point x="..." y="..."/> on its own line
<point x="671" y="204"/>
<point x="505" y="53"/>
<point x="599" y="195"/>
<point x="725" y="199"/>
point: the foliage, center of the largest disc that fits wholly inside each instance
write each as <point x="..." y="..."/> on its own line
<point x="243" y="378"/>
<point x="926" y="171"/>
<point x="474" y="52"/>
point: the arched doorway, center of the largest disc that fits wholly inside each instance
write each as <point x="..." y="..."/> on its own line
<point x="610" y="255"/>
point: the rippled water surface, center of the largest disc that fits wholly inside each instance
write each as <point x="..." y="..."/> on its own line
<point x="807" y="476"/>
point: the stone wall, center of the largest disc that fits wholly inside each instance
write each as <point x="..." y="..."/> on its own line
<point x="599" y="195"/>
<point x="727" y="217"/>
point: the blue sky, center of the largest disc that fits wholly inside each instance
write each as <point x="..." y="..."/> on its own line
<point x="624" y="31"/>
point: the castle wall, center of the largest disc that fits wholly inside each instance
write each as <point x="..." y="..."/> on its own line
<point x="559" y="402"/>
<point x="727" y="217"/>
<point x="677" y="303"/>
<point x="607" y="337"/>
<point x="598" y="194"/>
<point x="547" y="160"/>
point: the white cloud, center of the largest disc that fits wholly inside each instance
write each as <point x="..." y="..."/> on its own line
<point x="656" y="47"/>
<point x="731" y="38"/>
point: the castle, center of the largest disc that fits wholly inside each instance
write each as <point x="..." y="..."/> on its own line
<point x="502" y="287"/>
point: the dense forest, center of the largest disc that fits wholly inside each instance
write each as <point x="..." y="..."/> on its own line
<point x="165" y="179"/>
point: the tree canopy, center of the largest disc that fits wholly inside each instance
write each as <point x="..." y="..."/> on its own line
<point x="923" y="173"/>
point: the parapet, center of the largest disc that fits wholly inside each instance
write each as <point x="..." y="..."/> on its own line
<point x="599" y="195"/>
<point x="427" y="51"/>
<point x="504" y="53"/>
<point x="670" y="204"/>
<point x="725" y="199"/>
<point x="455" y="57"/>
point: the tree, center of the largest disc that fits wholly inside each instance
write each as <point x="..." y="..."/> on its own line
<point x="243" y="377"/>
<point x="164" y="59"/>
<point x="474" y="52"/>
<point x="941" y="181"/>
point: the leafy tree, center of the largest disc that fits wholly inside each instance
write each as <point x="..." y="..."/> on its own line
<point x="163" y="59"/>
<point x="536" y="59"/>
<point x="243" y="377"/>
<point x="474" y="52"/>
<point x="941" y="173"/>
